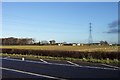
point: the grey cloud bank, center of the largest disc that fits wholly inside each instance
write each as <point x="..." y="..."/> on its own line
<point x="114" y="27"/>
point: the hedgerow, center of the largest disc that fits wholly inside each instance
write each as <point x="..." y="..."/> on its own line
<point x="72" y="54"/>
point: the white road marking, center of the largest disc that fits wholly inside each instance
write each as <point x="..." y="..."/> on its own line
<point x="72" y="63"/>
<point x="43" y="61"/>
<point x="40" y="75"/>
<point x="6" y="57"/>
<point x="23" y="58"/>
<point x="61" y="64"/>
<point x="111" y="66"/>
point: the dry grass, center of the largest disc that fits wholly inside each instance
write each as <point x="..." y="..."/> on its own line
<point x="66" y="48"/>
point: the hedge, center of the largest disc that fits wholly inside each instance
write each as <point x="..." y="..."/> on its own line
<point x="56" y="53"/>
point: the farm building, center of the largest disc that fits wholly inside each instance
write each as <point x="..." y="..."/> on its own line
<point x="52" y="41"/>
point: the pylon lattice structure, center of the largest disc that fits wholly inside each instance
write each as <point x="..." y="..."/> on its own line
<point x="90" y="40"/>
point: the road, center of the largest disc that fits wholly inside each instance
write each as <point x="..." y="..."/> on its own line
<point x="15" y="68"/>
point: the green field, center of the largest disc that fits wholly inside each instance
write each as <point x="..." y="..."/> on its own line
<point x="66" y="48"/>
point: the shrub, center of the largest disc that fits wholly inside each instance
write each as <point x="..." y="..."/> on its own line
<point x="64" y="54"/>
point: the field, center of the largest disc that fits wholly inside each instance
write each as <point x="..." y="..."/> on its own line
<point x="67" y="48"/>
<point x="102" y="54"/>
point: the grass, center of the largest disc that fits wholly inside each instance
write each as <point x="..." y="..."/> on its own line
<point x="104" y="61"/>
<point x="66" y="48"/>
<point x="91" y="48"/>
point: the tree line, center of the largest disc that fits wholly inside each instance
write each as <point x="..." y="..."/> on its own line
<point x="16" y="41"/>
<point x="24" y="41"/>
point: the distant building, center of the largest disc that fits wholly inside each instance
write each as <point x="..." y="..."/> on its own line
<point x="44" y="42"/>
<point x="78" y="44"/>
<point x="68" y="44"/>
<point x="60" y="44"/>
<point x="52" y="41"/>
<point x="103" y="42"/>
<point x="110" y="44"/>
<point x="96" y="44"/>
<point x="74" y="44"/>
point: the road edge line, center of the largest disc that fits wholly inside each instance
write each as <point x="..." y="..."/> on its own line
<point x="72" y="63"/>
<point x="43" y="61"/>
<point x="61" y="64"/>
<point x="30" y="73"/>
<point x="111" y="66"/>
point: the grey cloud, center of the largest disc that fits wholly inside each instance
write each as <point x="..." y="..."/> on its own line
<point x="113" y="31"/>
<point x="114" y="27"/>
<point x="114" y="24"/>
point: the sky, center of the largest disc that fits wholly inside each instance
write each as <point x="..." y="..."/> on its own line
<point x="60" y="21"/>
<point x="60" y="0"/>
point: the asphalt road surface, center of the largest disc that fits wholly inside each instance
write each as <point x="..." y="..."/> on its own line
<point x="15" y="68"/>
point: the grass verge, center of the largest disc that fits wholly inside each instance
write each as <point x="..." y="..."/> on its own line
<point x="92" y="60"/>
